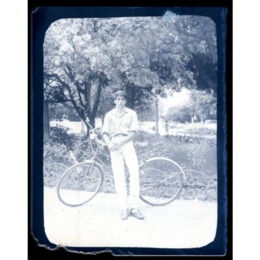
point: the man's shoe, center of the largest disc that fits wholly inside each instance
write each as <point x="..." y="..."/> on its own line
<point x="124" y="214"/>
<point x="137" y="213"/>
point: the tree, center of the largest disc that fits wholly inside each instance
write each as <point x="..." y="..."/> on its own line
<point x="201" y="104"/>
<point x="86" y="59"/>
<point x="71" y="74"/>
<point x="204" y="104"/>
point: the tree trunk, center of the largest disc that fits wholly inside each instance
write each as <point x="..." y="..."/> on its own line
<point x="92" y="120"/>
<point x="93" y="113"/>
<point x="46" y="121"/>
<point x="157" y="117"/>
<point x="84" y="121"/>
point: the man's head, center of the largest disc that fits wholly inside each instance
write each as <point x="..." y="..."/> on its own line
<point x="119" y="98"/>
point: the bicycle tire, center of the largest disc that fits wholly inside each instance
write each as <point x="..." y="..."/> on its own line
<point x="161" y="181"/>
<point x="52" y="172"/>
<point x="80" y="183"/>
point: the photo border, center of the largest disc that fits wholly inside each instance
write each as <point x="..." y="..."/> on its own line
<point x="39" y="20"/>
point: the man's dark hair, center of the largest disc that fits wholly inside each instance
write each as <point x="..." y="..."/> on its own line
<point x="119" y="93"/>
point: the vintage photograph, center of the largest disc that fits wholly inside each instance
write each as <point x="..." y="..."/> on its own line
<point x="130" y="123"/>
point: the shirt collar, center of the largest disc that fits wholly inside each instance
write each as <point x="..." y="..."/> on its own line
<point x="126" y="111"/>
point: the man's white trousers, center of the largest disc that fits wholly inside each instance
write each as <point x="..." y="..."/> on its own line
<point x="126" y="155"/>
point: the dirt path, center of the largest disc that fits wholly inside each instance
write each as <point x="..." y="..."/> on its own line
<point x="182" y="224"/>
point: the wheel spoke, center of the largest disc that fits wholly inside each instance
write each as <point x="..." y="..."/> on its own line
<point x="79" y="184"/>
<point x="160" y="181"/>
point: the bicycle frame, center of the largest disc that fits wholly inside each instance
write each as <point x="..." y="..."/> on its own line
<point x="95" y="157"/>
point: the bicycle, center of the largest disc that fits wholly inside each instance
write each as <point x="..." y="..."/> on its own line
<point x="161" y="179"/>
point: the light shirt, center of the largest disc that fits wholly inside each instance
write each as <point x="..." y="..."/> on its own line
<point x="123" y="124"/>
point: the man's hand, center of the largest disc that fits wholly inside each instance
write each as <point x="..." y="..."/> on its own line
<point x="112" y="146"/>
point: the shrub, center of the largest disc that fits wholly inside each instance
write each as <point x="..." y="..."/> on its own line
<point x="66" y="148"/>
<point x="60" y="135"/>
<point x="81" y="149"/>
<point x="56" y="153"/>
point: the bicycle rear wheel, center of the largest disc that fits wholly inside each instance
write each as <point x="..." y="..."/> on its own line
<point x="161" y="181"/>
<point x="80" y="183"/>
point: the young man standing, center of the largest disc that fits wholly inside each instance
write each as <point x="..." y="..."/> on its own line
<point x="119" y="129"/>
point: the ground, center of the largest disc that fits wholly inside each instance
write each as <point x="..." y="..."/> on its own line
<point x="181" y="224"/>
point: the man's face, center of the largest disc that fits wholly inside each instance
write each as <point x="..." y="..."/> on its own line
<point x="120" y="102"/>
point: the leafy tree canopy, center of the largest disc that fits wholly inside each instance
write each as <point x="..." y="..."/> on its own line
<point x="86" y="59"/>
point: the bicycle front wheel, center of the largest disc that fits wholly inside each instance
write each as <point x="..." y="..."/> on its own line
<point x="80" y="183"/>
<point x="161" y="181"/>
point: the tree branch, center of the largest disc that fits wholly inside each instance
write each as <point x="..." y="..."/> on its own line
<point x="67" y="87"/>
<point x="69" y="72"/>
<point x="67" y="105"/>
<point x="96" y="100"/>
<point x="87" y="97"/>
<point x="80" y="98"/>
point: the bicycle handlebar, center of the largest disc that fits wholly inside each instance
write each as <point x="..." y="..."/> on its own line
<point x="94" y="133"/>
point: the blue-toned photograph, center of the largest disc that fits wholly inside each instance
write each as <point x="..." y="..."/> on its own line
<point x="133" y="133"/>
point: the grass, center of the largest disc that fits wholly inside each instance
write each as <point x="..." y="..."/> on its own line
<point x="190" y="152"/>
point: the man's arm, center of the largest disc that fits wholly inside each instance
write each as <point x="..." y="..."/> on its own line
<point x="113" y="146"/>
<point x="126" y="139"/>
<point x="105" y="130"/>
<point x="106" y="138"/>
